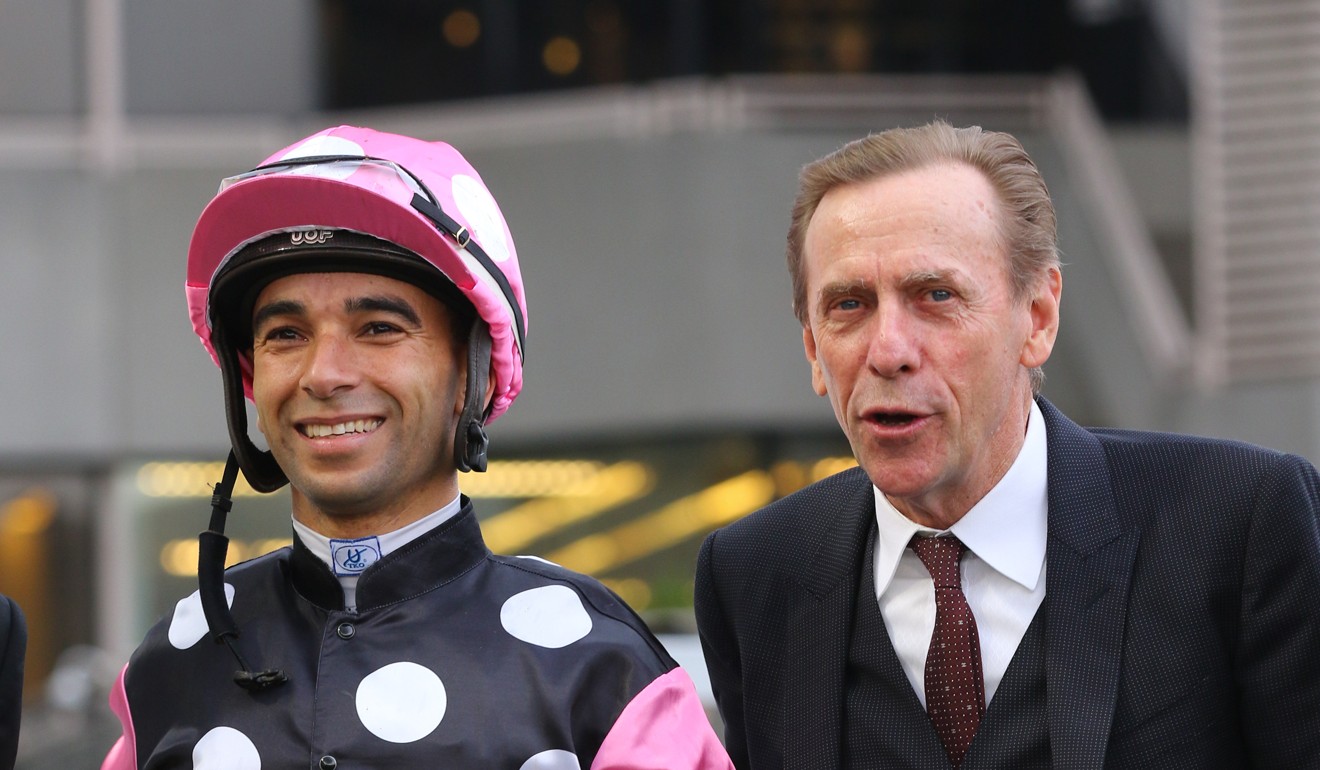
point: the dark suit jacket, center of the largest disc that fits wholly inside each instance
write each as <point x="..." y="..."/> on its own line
<point x="1183" y="595"/>
<point x="13" y="644"/>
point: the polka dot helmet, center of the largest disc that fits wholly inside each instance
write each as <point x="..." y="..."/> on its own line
<point x="356" y="200"/>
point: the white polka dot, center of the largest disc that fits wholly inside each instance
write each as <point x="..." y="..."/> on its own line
<point x="402" y="702"/>
<point x="482" y="214"/>
<point x="326" y="145"/>
<point x="188" y="626"/>
<point x="550" y="616"/>
<point x="554" y="759"/>
<point x="225" y="748"/>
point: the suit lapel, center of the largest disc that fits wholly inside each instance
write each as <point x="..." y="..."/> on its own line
<point x="818" y="627"/>
<point x="1089" y="560"/>
<point x="1090" y="554"/>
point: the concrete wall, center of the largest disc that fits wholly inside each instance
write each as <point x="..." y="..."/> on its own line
<point x="191" y="57"/>
<point x="179" y="57"/>
<point x="41" y="57"/>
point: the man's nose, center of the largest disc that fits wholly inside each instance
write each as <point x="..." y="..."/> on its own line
<point x="331" y="366"/>
<point x="892" y="349"/>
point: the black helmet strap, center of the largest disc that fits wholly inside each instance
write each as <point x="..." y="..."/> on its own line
<point x="448" y="225"/>
<point x="213" y="546"/>
<point x="259" y="467"/>
<point x="470" y="441"/>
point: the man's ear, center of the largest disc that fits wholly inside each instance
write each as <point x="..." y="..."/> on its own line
<point x="1043" y="308"/>
<point x="809" y="346"/>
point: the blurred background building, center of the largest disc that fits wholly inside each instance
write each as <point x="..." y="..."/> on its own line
<point x="645" y="155"/>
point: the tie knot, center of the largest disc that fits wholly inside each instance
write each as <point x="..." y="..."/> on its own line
<point x="941" y="556"/>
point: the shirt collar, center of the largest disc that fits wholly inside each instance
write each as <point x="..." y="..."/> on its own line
<point x="432" y="556"/>
<point x="1006" y="529"/>
<point x="319" y="544"/>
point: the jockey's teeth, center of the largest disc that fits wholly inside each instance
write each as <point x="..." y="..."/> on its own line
<point x="339" y="429"/>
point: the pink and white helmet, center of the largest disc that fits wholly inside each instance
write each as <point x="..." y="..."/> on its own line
<point x="356" y="200"/>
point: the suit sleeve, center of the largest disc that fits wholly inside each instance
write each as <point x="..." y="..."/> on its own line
<point x="1278" y="668"/>
<point x="13" y="646"/>
<point x="723" y="660"/>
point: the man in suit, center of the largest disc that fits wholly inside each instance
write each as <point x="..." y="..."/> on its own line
<point x="13" y="644"/>
<point x="1102" y="598"/>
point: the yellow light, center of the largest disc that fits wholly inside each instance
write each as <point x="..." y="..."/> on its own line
<point x="611" y="487"/>
<point x="534" y="478"/>
<point x="506" y="479"/>
<point x="591" y="554"/>
<point x="30" y="514"/>
<point x="633" y="591"/>
<point x="179" y="557"/>
<point x="667" y="526"/>
<point x="187" y="480"/>
<point x="789" y="477"/>
<point x="28" y="560"/>
<point x="561" y="55"/>
<point x="261" y="547"/>
<point x="462" y="28"/>
<point x="831" y="465"/>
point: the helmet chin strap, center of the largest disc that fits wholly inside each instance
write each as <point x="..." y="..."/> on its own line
<point x="259" y="467"/>
<point x="470" y="441"/>
<point x="212" y="547"/>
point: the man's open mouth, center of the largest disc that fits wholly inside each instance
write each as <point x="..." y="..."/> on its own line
<point x="893" y="419"/>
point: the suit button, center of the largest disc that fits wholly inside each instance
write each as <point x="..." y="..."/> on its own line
<point x="345" y="631"/>
<point x="328" y="762"/>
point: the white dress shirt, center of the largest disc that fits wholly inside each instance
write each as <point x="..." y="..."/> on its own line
<point x="1003" y="570"/>
<point x="380" y="545"/>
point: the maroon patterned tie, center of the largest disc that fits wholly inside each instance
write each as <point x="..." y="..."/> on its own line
<point x="955" y="689"/>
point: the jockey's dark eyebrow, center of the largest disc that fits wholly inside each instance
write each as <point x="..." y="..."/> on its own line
<point x="384" y="303"/>
<point x="277" y="308"/>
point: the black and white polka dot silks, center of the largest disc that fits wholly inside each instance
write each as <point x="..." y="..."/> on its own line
<point x="455" y="658"/>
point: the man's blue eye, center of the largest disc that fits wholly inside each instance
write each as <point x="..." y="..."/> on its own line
<point x="849" y="304"/>
<point x="941" y="295"/>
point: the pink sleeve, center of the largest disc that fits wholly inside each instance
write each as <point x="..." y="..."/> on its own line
<point x="123" y="755"/>
<point x="663" y="728"/>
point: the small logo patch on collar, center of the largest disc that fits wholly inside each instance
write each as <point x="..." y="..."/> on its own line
<point x="350" y="557"/>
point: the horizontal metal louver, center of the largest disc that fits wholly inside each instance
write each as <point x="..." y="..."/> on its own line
<point x="1257" y="163"/>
